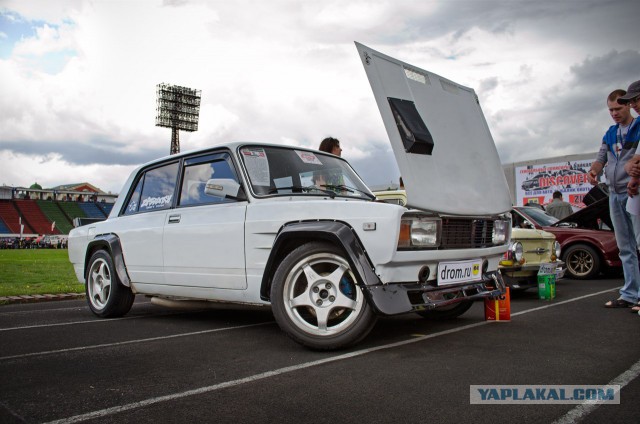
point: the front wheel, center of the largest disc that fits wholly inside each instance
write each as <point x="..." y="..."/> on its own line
<point x="106" y="295"/>
<point x="582" y="261"/>
<point x="316" y="300"/>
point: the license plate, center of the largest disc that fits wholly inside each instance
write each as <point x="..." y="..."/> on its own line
<point x="459" y="272"/>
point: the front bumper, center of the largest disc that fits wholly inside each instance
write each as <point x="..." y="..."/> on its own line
<point x="400" y="298"/>
<point x="520" y="277"/>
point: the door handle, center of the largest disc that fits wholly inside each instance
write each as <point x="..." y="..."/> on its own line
<point x="174" y="219"/>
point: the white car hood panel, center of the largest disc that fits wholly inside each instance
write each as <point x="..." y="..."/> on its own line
<point x="462" y="175"/>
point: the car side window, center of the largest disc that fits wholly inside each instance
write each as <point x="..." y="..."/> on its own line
<point x="134" y="200"/>
<point x="154" y="190"/>
<point x="197" y="171"/>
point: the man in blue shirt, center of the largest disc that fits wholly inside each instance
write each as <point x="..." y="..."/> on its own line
<point x="617" y="148"/>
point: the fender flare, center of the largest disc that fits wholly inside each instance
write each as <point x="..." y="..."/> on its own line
<point x="111" y="243"/>
<point x="334" y="232"/>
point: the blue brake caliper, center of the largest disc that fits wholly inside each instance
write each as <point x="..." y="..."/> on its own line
<point x="346" y="287"/>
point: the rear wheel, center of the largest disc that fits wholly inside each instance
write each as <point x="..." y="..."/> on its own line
<point x="582" y="261"/>
<point x="316" y="300"/>
<point x="106" y="295"/>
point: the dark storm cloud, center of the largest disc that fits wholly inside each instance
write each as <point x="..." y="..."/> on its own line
<point x="457" y="17"/>
<point x="97" y="152"/>
<point x="379" y="157"/>
<point x="608" y="69"/>
<point x="569" y="118"/>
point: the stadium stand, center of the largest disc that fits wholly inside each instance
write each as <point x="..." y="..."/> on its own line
<point x="106" y="207"/>
<point x="55" y="214"/>
<point x="92" y="210"/>
<point x="11" y="218"/>
<point x="3" y="228"/>
<point x="35" y="217"/>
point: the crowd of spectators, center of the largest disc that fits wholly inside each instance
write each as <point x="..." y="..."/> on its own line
<point x="40" y="242"/>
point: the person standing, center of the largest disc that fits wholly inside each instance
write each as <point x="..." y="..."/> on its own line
<point x="331" y="145"/>
<point x="330" y="180"/>
<point x="632" y="98"/>
<point x="615" y="151"/>
<point x="558" y="207"/>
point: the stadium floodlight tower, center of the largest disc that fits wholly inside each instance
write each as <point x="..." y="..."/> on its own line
<point x="178" y="108"/>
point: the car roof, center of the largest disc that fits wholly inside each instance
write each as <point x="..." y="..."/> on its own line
<point x="232" y="145"/>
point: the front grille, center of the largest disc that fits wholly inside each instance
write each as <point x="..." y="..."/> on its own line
<point x="461" y="233"/>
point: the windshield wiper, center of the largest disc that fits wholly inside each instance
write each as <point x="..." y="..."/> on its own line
<point x="303" y="189"/>
<point x="348" y="189"/>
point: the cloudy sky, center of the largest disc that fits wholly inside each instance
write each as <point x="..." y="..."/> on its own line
<point x="78" y="77"/>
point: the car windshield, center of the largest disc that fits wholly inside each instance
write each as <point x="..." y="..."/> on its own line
<point x="285" y="171"/>
<point x="540" y="217"/>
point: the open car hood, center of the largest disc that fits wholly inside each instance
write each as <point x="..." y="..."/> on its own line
<point x="446" y="155"/>
<point x="588" y="217"/>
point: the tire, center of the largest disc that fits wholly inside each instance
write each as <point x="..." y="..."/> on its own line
<point x="582" y="261"/>
<point x="447" y="312"/>
<point x="316" y="301"/>
<point x="106" y="295"/>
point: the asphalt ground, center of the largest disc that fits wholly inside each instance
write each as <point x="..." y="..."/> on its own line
<point x="59" y="363"/>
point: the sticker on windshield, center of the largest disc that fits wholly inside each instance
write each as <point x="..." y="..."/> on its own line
<point x="257" y="164"/>
<point x="308" y="157"/>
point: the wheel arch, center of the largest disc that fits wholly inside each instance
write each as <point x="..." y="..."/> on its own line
<point x="111" y="243"/>
<point x="293" y="235"/>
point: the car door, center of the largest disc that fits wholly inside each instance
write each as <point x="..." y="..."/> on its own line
<point x="140" y="224"/>
<point x="203" y="244"/>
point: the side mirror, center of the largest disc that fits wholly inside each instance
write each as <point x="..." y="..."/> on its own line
<point x="224" y="187"/>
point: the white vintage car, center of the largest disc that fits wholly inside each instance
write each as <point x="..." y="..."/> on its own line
<point x="298" y="230"/>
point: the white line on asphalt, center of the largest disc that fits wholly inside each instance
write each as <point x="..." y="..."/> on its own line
<point x="99" y="321"/>
<point x="584" y="409"/>
<point x="562" y="302"/>
<point x="35" y="311"/>
<point x="150" y="339"/>
<point x="103" y="321"/>
<point x="58" y="324"/>
<point x="126" y="407"/>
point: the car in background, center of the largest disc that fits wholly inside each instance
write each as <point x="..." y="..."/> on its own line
<point x="537" y="182"/>
<point x="528" y="251"/>
<point x="586" y="237"/>
<point x="396" y="197"/>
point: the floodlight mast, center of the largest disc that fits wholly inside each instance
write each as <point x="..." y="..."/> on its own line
<point x="178" y="108"/>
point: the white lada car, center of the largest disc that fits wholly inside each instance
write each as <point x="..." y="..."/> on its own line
<point x="297" y="229"/>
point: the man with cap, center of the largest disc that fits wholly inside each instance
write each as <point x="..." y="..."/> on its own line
<point x="618" y="147"/>
<point x="632" y="98"/>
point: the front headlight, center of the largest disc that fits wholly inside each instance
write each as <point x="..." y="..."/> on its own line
<point x="516" y="251"/>
<point x="501" y="231"/>
<point x="419" y="232"/>
<point x="557" y="249"/>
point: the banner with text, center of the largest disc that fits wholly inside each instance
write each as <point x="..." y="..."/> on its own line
<point x="536" y="183"/>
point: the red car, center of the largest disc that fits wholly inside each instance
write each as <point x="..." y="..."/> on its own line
<point x="587" y="239"/>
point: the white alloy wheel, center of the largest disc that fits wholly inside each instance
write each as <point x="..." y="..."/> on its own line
<point x="106" y="295"/>
<point x="316" y="299"/>
<point x="99" y="283"/>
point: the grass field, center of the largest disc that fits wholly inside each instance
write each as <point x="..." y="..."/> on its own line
<point x="37" y="271"/>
